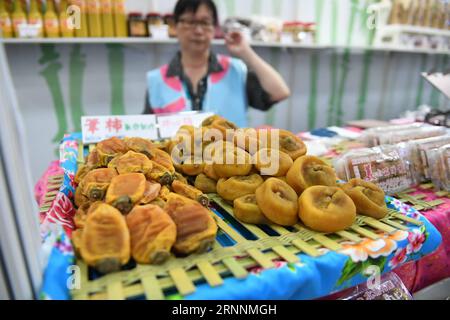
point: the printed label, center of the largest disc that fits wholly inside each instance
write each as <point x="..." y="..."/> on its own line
<point x="356" y="171"/>
<point x="386" y="291"/>
<point x="34" y="21"/>
<point x="96" y="129"/>
<point x="386" y="169"/>
<point x="5" y="23"/>
<point x="51" y="25"/>
<point x="18" y="21"/>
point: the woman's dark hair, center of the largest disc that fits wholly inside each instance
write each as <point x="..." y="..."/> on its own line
<point x="183" y="6"/>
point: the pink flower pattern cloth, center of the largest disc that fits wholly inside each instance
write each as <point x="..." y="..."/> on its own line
<point x="41" y="188"/>
<point x="420" y="274"/>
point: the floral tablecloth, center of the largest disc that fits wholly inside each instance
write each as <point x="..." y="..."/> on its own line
<point x="310" y="278"/>
<point x="419" y="274"/>
<point x="435" y="267"/>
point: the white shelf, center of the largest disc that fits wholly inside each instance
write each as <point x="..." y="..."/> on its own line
<point x="399" y="49"/>
<point x="145" y="41"/>
<point x="392" y="37"/>
<point x="87" y="40"/>
<point x="218" y="43"/>
<point x="416" y="30"/>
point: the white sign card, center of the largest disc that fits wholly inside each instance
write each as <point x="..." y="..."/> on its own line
<point x="98" y="128"/>
<point x="169" y="125"/>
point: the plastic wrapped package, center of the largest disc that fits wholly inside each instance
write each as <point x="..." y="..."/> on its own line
<point x="439" y="160"/>
<point x="371" y="137"/>
<point x="386" y="166"/>
<point x="419" y="155"/>
<point x="411" y="134"/>
<point x="386" y="287"/>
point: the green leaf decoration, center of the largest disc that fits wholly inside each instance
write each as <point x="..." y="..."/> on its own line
<point x="291" y="267"/>
<point x="422" y="229"/>
<point x="349" y="271"/>
<point x="380" y="262"/>
<point x="175" y="297"/>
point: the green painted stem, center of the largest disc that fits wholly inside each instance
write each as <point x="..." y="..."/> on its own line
<point x="444" y="101"/>
<point x="334" y="22"/>
<point x="408" y="96"/>
<point x="312" y="105"/>
<point x="116" y="70"/>
<point x="368" y="55"/>
<point x="314" y="68"/>
<point x="394" y="82"/>
<point x="50" y="58"/>
<point x="343" y="80"/>
<point x="319" y="13"/>
<point x="333" y="65"/>
<point x="77" y="67"/>
<point x="334" y="80"/>
<point x="292" y="73"/>
<point x="367" y="63"/>
<point x="275" y="60"/>
<point x="276" y="7"/>
<point x="231" y="7"/>
<point x="385" y="84"/>
<point x="345" y="64"/>
<point x="257" y="7"/>
<point x="434" y="96"/>
<point x="423" y="64"/>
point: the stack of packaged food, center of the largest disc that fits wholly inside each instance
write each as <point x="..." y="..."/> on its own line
<point x="399" y="157"/>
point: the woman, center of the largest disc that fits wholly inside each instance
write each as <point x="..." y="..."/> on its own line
<point x="198" y="79"/>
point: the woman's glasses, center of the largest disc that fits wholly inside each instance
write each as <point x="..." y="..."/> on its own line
<point x="191" y="24"/>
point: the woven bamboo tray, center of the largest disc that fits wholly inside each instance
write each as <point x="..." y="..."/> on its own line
<point x="238" y="248"/>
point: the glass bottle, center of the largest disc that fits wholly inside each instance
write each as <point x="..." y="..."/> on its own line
<point x="18" y="17"/>
<point x="35" y="17"/>
<point x="5" y="21"/>
<point x="82" y="31"/>
<point x="66" y="31"/>
<point x="107" y="18"/>
<point x="51" y="21"/>
<point x="120" y="19"/>
<point x="94" y="19"/>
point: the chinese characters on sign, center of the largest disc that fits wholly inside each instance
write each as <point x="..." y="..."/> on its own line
<point x="98" y="128"/>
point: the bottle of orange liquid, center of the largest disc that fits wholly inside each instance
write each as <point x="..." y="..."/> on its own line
<point x="83" y="31"/>
<point x="107" y="18"/>
<point x="6" y="29"/>
<point x="94" y="18"/>
<point x="35" y="17"/>
<point x="120" y="19"/>
<point x="66" y="31"/>
<point x="18" y="17"/>
<point x="51" y="21"/>
<point x="9" y="6"/>
<point x="23" y="3"/>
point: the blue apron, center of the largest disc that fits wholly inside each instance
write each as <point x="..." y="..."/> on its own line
<point x="226" y="94"/>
